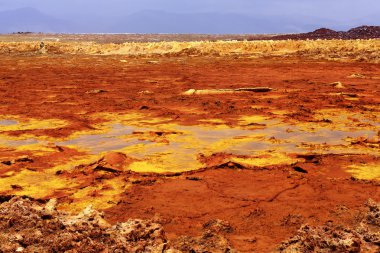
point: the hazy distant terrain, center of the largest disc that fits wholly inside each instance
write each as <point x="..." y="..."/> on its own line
<point x="32" y="20"/>
<point x="167" y="22"/>
<point x="155" y="21"/>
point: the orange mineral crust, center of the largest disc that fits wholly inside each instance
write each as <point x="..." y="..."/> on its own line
<point x="250" y="140"/>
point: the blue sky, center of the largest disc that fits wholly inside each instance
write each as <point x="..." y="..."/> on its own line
<point x="106" y="14"/>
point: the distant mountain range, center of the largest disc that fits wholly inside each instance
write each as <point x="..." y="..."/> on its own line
<point x="166" y="22"/>
<point x="153" y="21"/>
<point x="32" y="20"/>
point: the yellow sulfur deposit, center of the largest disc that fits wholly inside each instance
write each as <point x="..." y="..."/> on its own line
<point x="318" y="49"/>
<point x="266" y="159"/>
<point x="365" y="171"/>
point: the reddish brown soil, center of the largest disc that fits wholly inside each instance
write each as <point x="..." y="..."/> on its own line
<point x="302" y="86"/>
<point x="265" y="205"/>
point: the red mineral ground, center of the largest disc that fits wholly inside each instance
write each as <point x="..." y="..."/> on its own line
<point x="190" y="146"/>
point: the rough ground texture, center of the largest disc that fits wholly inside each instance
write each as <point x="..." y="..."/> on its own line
<point x="332" y="238"/>
<point x="326" y="87"/>
<point x="29" y="226"/>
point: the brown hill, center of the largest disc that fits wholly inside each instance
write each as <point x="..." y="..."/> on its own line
<point x="361" y="32"/>
<point x="369" y="32"/>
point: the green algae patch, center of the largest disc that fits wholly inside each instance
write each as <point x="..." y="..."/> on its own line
<point x="365" y="171"/>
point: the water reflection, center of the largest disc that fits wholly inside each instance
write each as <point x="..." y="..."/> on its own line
<point x="8" y="122"/>
<point x="176" y="147"/>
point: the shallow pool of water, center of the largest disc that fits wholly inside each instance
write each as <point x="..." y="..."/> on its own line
<point x="174" y="147"/>
<point x="8" y="122"/>
<point x="102" y="142"/>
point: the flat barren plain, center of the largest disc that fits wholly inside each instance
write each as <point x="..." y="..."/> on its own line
<point x="224" y="146"/>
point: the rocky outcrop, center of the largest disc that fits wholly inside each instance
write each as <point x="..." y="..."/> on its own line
<point x="333" y="238"/>
<point x="28" y="226"/>
<point x="361" y="32"/>
<point x="213" y="239"/>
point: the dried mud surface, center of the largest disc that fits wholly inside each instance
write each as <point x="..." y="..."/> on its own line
<point x="238" y="171"/>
